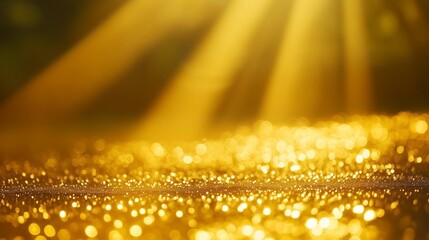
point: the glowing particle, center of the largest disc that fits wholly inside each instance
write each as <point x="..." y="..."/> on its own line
<point x="91" y="231"/>
<point x="420" y="127"/>
<point x="324" y="222"/>
<point x="100" y="145"/>
<point x="158" y="150"/>
<point x="34" y="229"/>
<point x="179" y="214"/>
<point x="135" y="231"/>
<point x="63" y="214"/>
<point x="202" y="235"/>
<point x="120" y="206"/>
<point x="148" y="220"/>
<point x="115" y="235"/>
<point x="21" y="219"/>
<point x="266" y="211"/>
<point x="49" y="231"/>
<point x="259" y="235"/>
<point x="295" y="168"/>
<point x="369" y="215"/>
<point x="358" y="209"/>
<point x="225" y="208"/>
<point x="247" y="230"/>
<point x="242" y="207"/>
<point x="295" y="214"/>
<point x="134" y="213"/>
<point x="311" y="223"/>
<point x="107" y="217"/>
<point x="187" y="159"/>
<point x="359" y="158"/>
<point x="63" y="234"/>
<point x="201" y="149"/>
<point x="117" y="223"/>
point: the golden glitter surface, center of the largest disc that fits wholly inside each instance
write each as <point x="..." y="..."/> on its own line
<point x="361" y="177"/>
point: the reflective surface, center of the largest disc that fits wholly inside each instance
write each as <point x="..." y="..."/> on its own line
<point x="352" y="177"/>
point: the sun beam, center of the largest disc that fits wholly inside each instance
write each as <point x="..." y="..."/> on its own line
<point x="301" y="64"/>
<point x="357" y="72"/>
<point x="100" y="58"/>
<point x="185" y="108"/>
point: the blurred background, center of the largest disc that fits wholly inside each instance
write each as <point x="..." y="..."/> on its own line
<point x="185" y="70"/>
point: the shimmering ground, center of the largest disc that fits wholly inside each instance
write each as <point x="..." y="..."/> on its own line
<point x="352" y="177"/>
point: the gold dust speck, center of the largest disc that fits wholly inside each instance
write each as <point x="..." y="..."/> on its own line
<point x="353" y="177"/>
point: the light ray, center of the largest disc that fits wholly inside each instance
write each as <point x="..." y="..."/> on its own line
<point x="298" y="71"/>
<point x="357" y="70"/>
<point x="97" y="61"/>
<point x="185" y="108"/>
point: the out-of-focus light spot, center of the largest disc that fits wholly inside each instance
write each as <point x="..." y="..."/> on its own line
<point x="91" y="231"/>
<point x="187" y="159"/>
<point x="259" y="235"/>
<point x="369" y="215"/>
<point x="354" y="227"/>
<point x="100" y="145"/>
<point x="242" y="207"/>
<point x="420" y="127"/>
<point x="179" y="214"/>
<point x="34" y="229"/>
<point x="359" y="158"/>
<point x="148" y="220"/>
<point x="225" y="208"/>
<point x="247" y="230"/>
<point x="63" y="234"/>
<point x="295" y="214"/>
<point x="324" y="222"/>
<point x="135" y="231"/>
<point x="158" y="150"/>
<point x="295" y="168"/>
<point x="63" y="214"/>
<point x="358" y="209"/>
<point x="201" y="149"/>
<point x="202" y="235"/>
<point x="49" y="231"/>
<point x="115" y="235"/>
<point x="117" y="223"/>
<point x="311" y="223"/>
<point x="266" y="211"/>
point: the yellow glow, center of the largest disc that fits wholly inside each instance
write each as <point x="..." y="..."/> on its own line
<point x="34" y="229"/>
<point x="136" y="231"/>
<point x="420" y="127"/>
<point x="358" y="209"/>
<point x="369" y="215"/>
<point x="185" y="108"/>
<point x="63" y="214"/>
<point x="49" y="231"/>
<point x="202" y="235"/>
<point x="91" y="231"/>
<point x="247" y="230"/>
<point x="299" y="52"/>
<point x="96" y="62"/>
<point x="117" y="223"/>
<point x="357" y="73"/>
<point x="148" y="220"/>
<point x="311" y="223"/>
<point x="63" y="234"/>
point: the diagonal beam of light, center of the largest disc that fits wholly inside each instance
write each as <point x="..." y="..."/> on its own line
<point x="298" y="72"/>
<point x="357" y="71"/>
<point x="100" y="58"/>
<point x="185" y="108"/>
